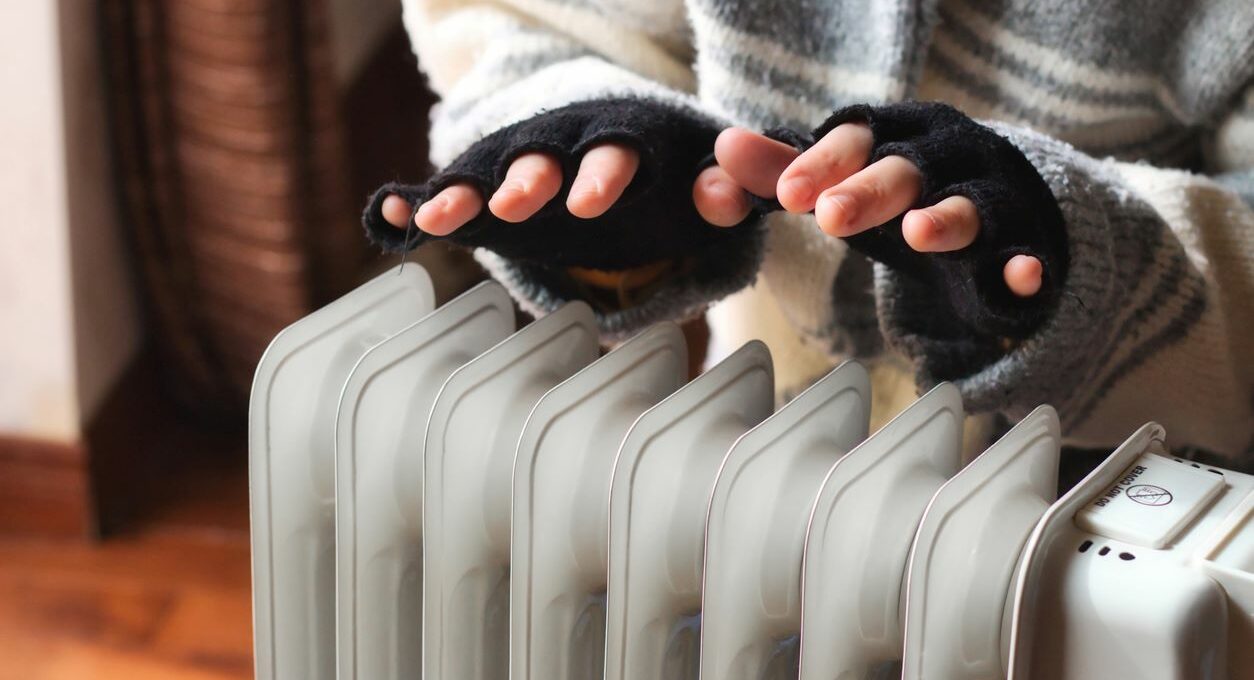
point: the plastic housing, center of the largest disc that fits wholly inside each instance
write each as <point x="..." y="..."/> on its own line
<point x="379" y="455"/>
<point x="291" y="450"/>
<point x="471" y="441"/>
<point x="559" y="540"/>
<point x="859" y="537"/>
<point x="658" y="503"/>
<point x="756" y="529"/>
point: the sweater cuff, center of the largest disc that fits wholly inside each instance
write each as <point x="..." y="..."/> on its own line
<point x="1116" y="245"/>
<point x="1019" y="215"/>
<point x="683" y="293"/>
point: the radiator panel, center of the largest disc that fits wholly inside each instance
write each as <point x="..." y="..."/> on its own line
<point x="659" y="496"/>
<point x="291" y="425"/>
<point x="521" y="507"/>
<point x="562" y="475"/>
<point x="471" y="440"/>
<point x="380" y="453"/>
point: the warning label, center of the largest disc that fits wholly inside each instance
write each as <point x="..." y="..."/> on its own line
<point x="1126" y="485"/>
<point x="1148" y="494"/>
<point x="1150" y="501"/>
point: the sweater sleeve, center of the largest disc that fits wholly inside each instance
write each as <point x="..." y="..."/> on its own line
<point x="527" y="75"/>
<point x="1152" y="320"/>
<point x="1230" y="152"/>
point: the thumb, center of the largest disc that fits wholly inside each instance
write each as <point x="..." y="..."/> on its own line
<point x="753" y="160"/>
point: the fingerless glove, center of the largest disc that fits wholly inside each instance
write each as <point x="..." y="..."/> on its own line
<point x="654" y="220"/>
<point x="957" y="156"/>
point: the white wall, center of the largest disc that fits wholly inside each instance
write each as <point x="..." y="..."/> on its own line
<point x="69" y="321"/>
<point x="107" y="327"/>
<point x="37" y="375"/>
<point x="68" y="318"/>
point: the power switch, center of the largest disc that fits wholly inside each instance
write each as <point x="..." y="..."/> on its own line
<point x="1151" y="502"/>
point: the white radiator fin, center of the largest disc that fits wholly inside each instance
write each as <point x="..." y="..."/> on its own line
<point x="436" y="496"/>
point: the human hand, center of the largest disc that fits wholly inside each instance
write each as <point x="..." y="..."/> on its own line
<point x="606" y="188"/>
<point x="534" y="179"/>
<point x="833" y="179"/>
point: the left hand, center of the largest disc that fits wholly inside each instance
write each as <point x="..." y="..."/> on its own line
<point x="847" y="196"/>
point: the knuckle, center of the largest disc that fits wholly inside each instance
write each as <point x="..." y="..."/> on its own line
<point x="902" y="167"/>
<point x="511" y="185"/>
<point x="856" y="134"/>
<point x="828" y="160"/>
<point x="870" y="191"/>
<point x="600" y="157"/>
<point x="548" y="171"/>
<point x="942" y="218"/>
<point x="959" y="213"/>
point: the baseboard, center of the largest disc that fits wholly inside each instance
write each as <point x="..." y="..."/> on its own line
<point x="80" y="489"/>
<point x="45" y="489"/>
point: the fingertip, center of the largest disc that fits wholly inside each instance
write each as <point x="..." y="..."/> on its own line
<point x="396" y="211"/>
<point x="516" y="201"/>
<point x="753" y="161"/>
<point x="1024" y="275"/>
<point x="605" y="171"/>
<point x="835" y="212"/>
<point x="448" y="210"/>
<point x="921" y="230"/>
<point x="718" y="199"/>
<point x="508" y="201"/>
<point x="796" y="192"/>
<point x="730" y="141"/>
<point x="532" y="180"/>
<point x="430" y="216"/>
<point x="948" y="226"/>
<point x="586" y="198"/>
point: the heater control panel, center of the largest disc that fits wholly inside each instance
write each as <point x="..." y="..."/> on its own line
<point x="1152" y="501"/>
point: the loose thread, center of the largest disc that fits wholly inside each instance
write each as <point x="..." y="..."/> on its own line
<point x="409" y="229"/>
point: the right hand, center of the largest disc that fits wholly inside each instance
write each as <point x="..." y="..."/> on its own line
<point x="534" y="179"/>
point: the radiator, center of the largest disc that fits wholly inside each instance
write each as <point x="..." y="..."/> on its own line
<point x="434" y="495"/>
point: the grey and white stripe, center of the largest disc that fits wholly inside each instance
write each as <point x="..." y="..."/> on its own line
<point x="1148" y="326"/>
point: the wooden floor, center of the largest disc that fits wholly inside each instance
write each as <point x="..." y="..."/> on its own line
<point x="167" y="599"/>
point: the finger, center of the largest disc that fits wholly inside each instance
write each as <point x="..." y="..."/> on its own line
<point x="832" y="160"/>
<point x="719" y="199"/>
<point x="532" y="180"/>
<point x="447" y="211"/>
<point x="873" y="196"/>
<point x="604" y="172"/>
<point x="395" y="211"/>
<point x="949" y="225"/>
<point x="1024" y="275"/>
<point x="752" y="160"/>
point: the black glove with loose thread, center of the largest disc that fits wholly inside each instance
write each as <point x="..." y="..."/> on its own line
<point x="654" y="220"/>
<point x="959" y="297"/>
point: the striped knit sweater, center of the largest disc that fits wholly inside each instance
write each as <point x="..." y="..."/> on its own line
<point x="1139" y="117"/>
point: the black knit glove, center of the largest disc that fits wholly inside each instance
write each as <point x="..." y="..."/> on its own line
<point x="654" y="220"/>
<point x="962" y="295"/>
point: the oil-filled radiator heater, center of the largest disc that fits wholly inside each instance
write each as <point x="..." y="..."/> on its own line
<point x="435" y="495"/>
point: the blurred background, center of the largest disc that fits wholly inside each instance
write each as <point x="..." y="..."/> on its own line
<point x="180" y="180"/>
